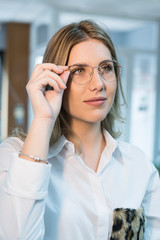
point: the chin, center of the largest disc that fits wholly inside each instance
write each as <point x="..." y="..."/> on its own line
<point x="95" y="119"/>
<point x="87" y="116"/>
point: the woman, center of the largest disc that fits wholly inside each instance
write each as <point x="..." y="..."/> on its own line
<point x="70" y="179"/>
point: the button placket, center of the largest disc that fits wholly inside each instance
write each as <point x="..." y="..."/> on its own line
<point x="101" y="207"/>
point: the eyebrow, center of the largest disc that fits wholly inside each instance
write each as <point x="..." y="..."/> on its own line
<point x="79" y="64"/>
<point x="107" y="60"/>
<point x="85" y="64"/>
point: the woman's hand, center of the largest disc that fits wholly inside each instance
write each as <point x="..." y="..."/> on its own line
<point x="47" y="104"/>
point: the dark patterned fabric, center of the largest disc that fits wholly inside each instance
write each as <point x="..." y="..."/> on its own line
<point x="128" y="224"/>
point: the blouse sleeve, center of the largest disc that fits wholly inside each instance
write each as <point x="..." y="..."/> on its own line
<point x="151" y="205"/>
<point x="23" y="189"/>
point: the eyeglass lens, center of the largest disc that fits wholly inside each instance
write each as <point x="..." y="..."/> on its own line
<point x="82" y="73"/>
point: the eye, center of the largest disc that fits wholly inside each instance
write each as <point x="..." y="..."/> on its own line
<point x="77" y="70"/>
<point x="107" y="67"/>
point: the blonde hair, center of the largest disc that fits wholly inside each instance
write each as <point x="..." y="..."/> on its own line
<point x="58" y="51"/>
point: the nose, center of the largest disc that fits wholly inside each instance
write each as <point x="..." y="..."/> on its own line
<point x="97" y="82"/>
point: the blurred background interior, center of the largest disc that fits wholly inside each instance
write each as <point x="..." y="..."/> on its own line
<point x="134" y="26"/>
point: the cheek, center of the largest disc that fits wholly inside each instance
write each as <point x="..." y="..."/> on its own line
<point x="111" y="91"/>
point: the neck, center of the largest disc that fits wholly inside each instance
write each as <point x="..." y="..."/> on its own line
<point x="88" y="134"/>
<point x="91" y="141"/>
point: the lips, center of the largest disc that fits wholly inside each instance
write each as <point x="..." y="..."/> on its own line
<point x="96" y="101"/>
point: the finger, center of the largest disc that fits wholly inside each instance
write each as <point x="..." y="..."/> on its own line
<point x="53" y="67"/>
<point x="42" y="83"/>
<point x="45" y="66"/>
<point x="64" y="76"/>
<point x="53" y="84"/>
<point x="64" y="68"/>
<point x="53" y="76"/>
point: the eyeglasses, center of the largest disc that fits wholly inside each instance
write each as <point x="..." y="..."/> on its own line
<point x="83" y="73"/>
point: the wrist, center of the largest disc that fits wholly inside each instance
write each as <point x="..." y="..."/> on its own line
<point x="32" y="158"/>
<point x="45" y="123"/>
<point x="38" y="138"/>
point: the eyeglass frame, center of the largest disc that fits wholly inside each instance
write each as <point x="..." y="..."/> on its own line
<point x="92" y="67"/>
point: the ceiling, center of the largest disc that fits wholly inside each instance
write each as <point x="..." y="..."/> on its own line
<point x="142" y="9"/>
<point x="134" y="11"/>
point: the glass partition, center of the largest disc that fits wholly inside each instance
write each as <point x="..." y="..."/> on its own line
<point x="143" y="101"/>
<point x="1" y="60"/>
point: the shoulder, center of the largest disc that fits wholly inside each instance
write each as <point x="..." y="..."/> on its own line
<point x="131" y="150"/>
<point x="11" y="143"/>
<point x="136" y="164"/>
<point x="135" y="157"/>
<point x="8" y="147"/>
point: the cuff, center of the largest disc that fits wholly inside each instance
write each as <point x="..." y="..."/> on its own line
<point x="27" y="179"/>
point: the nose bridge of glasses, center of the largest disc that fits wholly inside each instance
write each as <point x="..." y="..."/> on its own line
<point x="98" y="70"/>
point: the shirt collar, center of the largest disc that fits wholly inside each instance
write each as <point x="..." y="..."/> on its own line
<point x="59" y="145"/>
<point x="111" y="145"/>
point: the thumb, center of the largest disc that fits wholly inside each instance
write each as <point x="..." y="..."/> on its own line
<point x="65" y="76"/>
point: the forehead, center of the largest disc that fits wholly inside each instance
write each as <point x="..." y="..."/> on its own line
<point x="90" y="51"/>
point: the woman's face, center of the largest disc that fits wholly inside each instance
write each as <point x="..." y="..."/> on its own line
<point x="92" y="101"/>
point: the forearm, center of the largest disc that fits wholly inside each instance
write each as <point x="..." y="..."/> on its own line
<point x="21" y="218"/>
<point x="22" y="200"/>
<point x="46" y="107"/>
<point x="37" y="141"/>
<point x="23" y="190"/>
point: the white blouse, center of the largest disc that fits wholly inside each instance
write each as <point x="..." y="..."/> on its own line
<point x="66" y="200"/>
